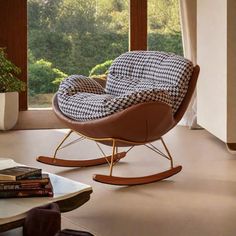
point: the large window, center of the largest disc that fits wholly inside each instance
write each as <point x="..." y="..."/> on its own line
<point x="72" y="37"/>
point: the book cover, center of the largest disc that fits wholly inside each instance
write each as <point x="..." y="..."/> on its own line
<point x="46" y="191"/>
<point x="25" y="183"/>
<point x="19" y="172"/>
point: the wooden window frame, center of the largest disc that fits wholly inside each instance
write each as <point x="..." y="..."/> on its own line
<point x="13" y="36"/>
<point x="138" y="25"/>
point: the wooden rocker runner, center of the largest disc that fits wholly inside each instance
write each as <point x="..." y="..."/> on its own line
<point x="77" y="163"/>
<point x="138" y="124"/>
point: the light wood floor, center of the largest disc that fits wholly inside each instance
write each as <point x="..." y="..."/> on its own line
<point x="199" y="201"/>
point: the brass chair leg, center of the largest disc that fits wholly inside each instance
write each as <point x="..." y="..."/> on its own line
<point x="60" y="144"/>
<point x="168" y="152"/>
<point x="114" y="149"/>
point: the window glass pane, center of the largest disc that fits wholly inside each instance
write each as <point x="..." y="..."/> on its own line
<point x="164" y="32"/>
<point x="72" y="37"/>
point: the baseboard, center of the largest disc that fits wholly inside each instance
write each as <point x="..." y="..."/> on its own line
<point x="38" y="119"/>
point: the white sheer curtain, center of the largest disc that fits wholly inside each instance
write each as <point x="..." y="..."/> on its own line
<point x="188" y="19"/>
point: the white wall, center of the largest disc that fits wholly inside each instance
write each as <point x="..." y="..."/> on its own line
<point x="216" y="55"/>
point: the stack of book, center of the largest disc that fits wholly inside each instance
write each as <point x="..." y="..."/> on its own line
<point x="24" y="181"/>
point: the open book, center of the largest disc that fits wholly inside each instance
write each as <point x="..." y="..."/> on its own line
<point x="8" y="163"/>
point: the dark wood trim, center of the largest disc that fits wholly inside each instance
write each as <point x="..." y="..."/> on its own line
<point x="74" y="202"/>
<point x="65" y="205"/>
<point x="13" y="36"/>
<point x="138" y="25"/>
<point x="231" y="146"/>
<point x="12" y="225"/>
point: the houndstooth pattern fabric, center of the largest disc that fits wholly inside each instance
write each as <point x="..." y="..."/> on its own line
<point x="160" y="70"/>
<point x="77" y="102"/>
<point x="79" y="83"/>
<point x="134" y="77"/>
<point x="82" y="98"/>
<point x="126" y="100"/>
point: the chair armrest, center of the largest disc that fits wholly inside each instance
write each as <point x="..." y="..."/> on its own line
<point x="79" y="84"/>
<point x="102" y="80"/>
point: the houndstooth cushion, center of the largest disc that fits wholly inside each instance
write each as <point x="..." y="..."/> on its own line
<point x="126" y="100"/>
<point x="163" y="71"/>
<point x="134" y="77"/>
<point x="82" y="98"/>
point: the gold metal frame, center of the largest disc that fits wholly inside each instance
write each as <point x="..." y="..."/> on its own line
<point x="112" y="160"/>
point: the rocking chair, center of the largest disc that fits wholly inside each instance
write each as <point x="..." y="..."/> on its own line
<point x="146" y="94"/>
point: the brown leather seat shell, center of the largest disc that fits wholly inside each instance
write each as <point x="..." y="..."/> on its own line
<point x="141" y="123"/>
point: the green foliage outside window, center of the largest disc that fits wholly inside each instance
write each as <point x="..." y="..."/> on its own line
<point x="9" y="73"/>
<point x="43" y="77"/>
<point x="101" y="69"/>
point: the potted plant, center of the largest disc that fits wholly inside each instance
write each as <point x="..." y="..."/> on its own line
<point x="10" y="85"/>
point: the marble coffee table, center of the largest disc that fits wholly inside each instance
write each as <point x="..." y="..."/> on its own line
<point x="68" y="194"/>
